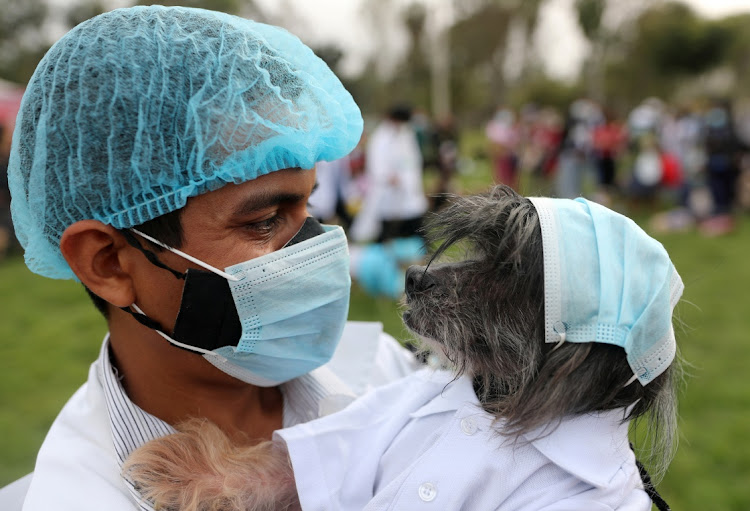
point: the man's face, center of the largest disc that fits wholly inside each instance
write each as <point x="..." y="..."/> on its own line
<point x="227" y="226"/>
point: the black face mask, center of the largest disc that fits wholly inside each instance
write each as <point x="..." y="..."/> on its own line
<point x="208" y="317"/>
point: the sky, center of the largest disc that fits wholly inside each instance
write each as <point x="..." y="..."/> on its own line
<point x="561" y="45"/>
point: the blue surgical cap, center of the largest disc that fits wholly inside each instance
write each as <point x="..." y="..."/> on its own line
<point x="607" y="281"/>
<point x="137" y="109"/>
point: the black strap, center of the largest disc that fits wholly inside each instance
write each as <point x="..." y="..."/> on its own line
<point x="151" y="256"/>
<point x="152" y="324"/>
<point x="648" y="485"/>
<point x="144" y="320"/>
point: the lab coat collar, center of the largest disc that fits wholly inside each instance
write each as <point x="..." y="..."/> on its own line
<point x="592" y="447"/>
<point x="321" y="386"/>
<point x="453" y="394"/>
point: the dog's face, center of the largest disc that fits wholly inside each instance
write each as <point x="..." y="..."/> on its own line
<point x="448" y="308"/>
<point x="482" y="313"/>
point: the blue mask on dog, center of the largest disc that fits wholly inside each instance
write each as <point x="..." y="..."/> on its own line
<point x="606" y="280"/>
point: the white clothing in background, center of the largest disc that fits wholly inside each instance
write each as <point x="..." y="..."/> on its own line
<point x="424" y="443"/>
<point x="332" y="178"/>
<point x="394" y="172"/>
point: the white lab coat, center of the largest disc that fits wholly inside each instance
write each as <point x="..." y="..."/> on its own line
<point x="77" y="469"/>
<point x="394" y="180"/>
<point x="424" y="443"/>
<point x="331" y="177"/>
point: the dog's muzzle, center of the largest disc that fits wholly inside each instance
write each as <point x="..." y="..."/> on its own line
<point x="418" y="280"/>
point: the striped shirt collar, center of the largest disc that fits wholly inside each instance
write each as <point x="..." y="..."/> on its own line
<point x="305" y="398"/>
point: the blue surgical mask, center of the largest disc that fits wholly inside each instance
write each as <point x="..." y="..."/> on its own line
<point x="607" y="281"/>
<point x="291" y="306"/>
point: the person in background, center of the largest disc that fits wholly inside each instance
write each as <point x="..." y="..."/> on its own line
<point x="446" y="141"/>
<point x="575" y="154"/>
<point x="328" y="202"/>
<point x="645" y="123"/>
<point x="503" y="134"/>
<point x="393" y="165"/>
<point x="723" y="154"/>
<point x="164" y="157"/>
<point x="609" y="140"/>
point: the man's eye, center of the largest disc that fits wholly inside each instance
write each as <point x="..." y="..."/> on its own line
<point x="265" y="226"/>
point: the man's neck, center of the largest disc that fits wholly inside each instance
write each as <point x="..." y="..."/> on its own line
<point x="175" y="384"/>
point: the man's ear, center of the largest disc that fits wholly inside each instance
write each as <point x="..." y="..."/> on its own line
<point x="101" y="259"/>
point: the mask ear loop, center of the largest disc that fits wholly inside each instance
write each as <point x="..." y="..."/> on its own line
<point x="187" y="256"/>
<point x="560" y="342"/>
<point x="631" y="380"/>
<point x="152" y="257"/>
<point x="142" y="318"/>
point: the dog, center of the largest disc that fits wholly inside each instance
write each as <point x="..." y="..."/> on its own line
<point x="483" y="314"/>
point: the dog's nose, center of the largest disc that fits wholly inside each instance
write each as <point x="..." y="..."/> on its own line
<point x="418" y="279"/>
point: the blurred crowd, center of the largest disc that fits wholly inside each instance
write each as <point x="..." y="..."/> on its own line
<point x="692" y="157"/>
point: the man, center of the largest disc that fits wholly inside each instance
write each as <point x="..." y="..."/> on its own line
<point x="395" y="202"/>
<point x="164" y="158"/>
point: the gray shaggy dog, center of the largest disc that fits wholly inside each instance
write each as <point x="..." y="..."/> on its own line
<point x="485" y="315"/>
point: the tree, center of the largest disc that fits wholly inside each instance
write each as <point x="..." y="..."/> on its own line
<point x="478" y="45"/>
<point x="79" y="13"/>
<point x="528" y="16"/>
<point x="675" y="40"/>
<point x="668" y="47"/>
<point x="589" y="14"/>
<point x="738" y="48"/>
<point x="411" y="81"/>
<point x="22" y="40"/>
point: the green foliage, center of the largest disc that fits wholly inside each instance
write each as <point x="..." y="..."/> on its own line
<point x="477" y="52"/>
<point x="81" y="12"/>
<point x="714" y="455"/>
<point x="668" y="45"/>
<point x="22" y="42"/>
<point x="49" y="334"/>
<point x="738" y="51"/>
<point x="675" y="40"/>
<point x="590" y="16"/>
<point x="411" y="82"/>
<point x="542" y="90"/>
<point x="476" y="38"/>
<point x="330" y="54"/>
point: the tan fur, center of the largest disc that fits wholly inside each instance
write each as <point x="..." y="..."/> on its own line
<point x="199" y="469"/>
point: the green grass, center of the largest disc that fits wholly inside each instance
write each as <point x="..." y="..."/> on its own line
<point x="49" y="334"/>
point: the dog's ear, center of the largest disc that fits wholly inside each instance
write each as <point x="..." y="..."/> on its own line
<point x="498" y="223"/>
<point x="199" y="468"/>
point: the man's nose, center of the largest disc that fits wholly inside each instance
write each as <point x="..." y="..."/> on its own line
<point x="418" y="279"/>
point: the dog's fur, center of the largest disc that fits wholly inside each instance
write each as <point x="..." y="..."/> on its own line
<point x="485" y="315"/>
<point x="200" y="469"/>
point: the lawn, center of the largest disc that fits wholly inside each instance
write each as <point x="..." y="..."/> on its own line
<point x="50" y="333"/>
